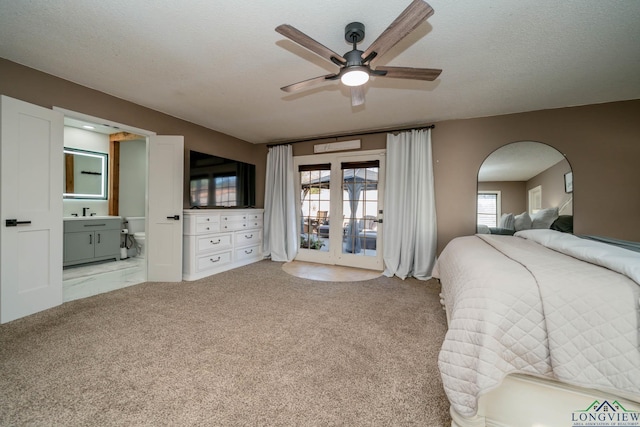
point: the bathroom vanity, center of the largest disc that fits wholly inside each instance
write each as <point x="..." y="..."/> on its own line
<point x="90" y="239"/>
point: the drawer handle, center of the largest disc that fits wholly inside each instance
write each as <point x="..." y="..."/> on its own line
<point x="207" y="219"/>
<point x="208" y="228"/>
<point x="94" y="225"/>
<point x="250" y="252"/>
<point x="215" y="243"/>
<point x="214" y="260"/>
<point x="250" y="236"/>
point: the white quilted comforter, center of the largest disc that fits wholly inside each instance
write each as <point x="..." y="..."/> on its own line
<point x="516" y="306"/>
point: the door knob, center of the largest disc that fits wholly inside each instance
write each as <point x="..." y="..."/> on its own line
<point x="176" y="217"/>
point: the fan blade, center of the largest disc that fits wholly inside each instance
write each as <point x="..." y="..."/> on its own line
<point x="307" y="83"/>
<point x="357" y="95"/>
<point x="406" y="22"/>
<point x="428" y="74"/>
<point x="305" y="41"/>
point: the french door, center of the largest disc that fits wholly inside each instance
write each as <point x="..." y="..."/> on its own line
<point x="340" y="217"/>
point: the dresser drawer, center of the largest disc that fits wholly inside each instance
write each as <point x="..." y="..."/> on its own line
<point x="244" y="238"/>
<point x="81" y="224"/>
<point x="207" y="227"/>
<point x="254" y="217"/>
<point x="202" y="219"/>
<point x="213" y="261"/>
<point x="233" y="225"/>
<point x="254" y="223"/>
<point x="233" y="218"/>
<point x="212" y="243"/>
<point x="248" y="253"/>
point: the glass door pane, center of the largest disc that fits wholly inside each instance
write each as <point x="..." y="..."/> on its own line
<point x="360" y="208"/>
<point x="315" y="200"/>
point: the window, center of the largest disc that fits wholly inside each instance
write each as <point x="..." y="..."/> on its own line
<point x="535" y="199"/>
<point x="488" y="208"/>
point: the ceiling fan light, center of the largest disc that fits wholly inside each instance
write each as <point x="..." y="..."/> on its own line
<point x="355" y="77"/>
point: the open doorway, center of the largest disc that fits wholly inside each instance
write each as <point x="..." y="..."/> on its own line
<point x="125" y="198"/>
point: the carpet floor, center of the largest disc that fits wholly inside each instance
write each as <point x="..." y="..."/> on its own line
<point x="251" y="346"/>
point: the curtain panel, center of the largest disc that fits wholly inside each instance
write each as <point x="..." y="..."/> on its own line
<point x="280" y="234"/>
<point x="410" y="235"/>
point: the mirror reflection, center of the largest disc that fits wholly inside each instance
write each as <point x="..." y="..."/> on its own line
<point x="524" y="185"/>
<point x="85" y="174"/>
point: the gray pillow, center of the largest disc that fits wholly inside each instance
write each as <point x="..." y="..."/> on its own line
<point x="507" y="221"/>
<point x="544" y="218"/>
<point x="522" y="221"/>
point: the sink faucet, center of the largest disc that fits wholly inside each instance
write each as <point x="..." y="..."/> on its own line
<point x="84" y="211"/>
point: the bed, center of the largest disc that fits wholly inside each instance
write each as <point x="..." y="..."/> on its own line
<point x="542" y="326"/>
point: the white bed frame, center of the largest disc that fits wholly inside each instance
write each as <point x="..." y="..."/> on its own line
<point x="533" y="402"/>
<point x="524" y="400"/>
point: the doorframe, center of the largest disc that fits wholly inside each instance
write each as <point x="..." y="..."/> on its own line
<point x="330" y="257"/>
<point x="120" y="127"/>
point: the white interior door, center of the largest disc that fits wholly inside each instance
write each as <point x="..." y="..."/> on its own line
<point x="31" y="177"/>
<point x="164" y="231"/>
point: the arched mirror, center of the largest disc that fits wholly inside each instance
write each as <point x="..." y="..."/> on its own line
<point x="524" y="185"/>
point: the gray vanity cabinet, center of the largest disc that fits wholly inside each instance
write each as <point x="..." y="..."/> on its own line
<point x="90" y="240"/>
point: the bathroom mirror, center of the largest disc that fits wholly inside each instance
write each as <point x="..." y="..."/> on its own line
<point x="523" y="176"/>
<point x="85" y="174"/>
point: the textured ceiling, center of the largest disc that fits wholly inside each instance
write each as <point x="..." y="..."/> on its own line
<point x="518" y="161"/>
<point x="220" y="63"/>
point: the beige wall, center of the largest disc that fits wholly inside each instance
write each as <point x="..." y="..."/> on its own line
<point x="600" y="141"/>
<point x="551" y="182"/>
<point x="513" y="195"/>
<point x="46" y="90"/>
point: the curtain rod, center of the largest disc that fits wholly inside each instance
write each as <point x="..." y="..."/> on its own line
<point x="346" y="135"/>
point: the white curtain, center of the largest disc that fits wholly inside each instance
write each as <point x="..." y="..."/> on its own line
<point x="410" y="233"/>
<point x="280" y="233"/>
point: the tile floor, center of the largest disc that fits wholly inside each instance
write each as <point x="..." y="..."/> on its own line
<point x="87" y="280"/>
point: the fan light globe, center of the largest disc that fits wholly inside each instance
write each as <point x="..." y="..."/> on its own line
<point x="355" y="77"/>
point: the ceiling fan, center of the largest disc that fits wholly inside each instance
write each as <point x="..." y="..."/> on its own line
<point x="355" y="65"/>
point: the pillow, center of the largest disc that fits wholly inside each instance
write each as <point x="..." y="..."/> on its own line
<point x="482" y="229"/>
<point x="564" y="223"/>
<point x="544" y="218"/>
<point x="507" y="221"/>
<point x="522" y="221"/>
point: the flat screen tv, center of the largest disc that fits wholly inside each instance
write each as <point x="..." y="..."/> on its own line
<point x="217" y="182"/>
